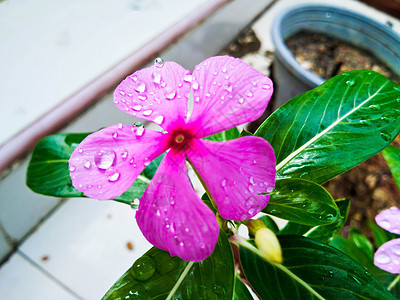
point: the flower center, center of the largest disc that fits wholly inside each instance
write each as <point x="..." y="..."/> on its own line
<point x="180" y="139"/>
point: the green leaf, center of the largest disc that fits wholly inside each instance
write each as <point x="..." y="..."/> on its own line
<point x="311" y="270"/>
<point x="241" y="292"/>
<point x="48" y="172"/>
<point x="361" y="242"/>
<point x="245" y="133"/>
<point x="302" y="202"/>
<point x="157" y="275"/>
<point x="227" y="135"/>
<point x="392" y="157"/>
<point x="334" y="127"/>
<point x="357" y="251"/>
<point x="270" y="223"/>
<point x="381" y="235"/>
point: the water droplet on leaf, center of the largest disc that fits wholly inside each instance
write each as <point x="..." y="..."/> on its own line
<point x="386" y="136"/>
<point x="143" y="268"/>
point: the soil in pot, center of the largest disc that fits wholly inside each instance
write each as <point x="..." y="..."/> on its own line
<point x="328" y="57"/>
<point x="370" y="185"/>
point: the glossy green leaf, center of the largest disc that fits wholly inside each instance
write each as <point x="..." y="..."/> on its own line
<point x="270" y="223"/>
<point x="323" y="234"/>
<point x="311" y="270"/>
<point x="392" y="157"/>
<point x="241" y="292"/>
<point x="334" y="127"/>
<point x="356" y="250"/>
<point x="48" y="172"/>
<point x="157" y="275"/>
<point x="302" y="202"/>
<point x="227" y="135"/>
<point x="361" y="242"/>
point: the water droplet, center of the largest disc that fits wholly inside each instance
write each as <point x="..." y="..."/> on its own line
<point x="142" y="97"/>
<point x="250" y="201"/>
<point x="266" y="86"/>
<point x="331" y="274"/>
<point x="113" y="175"/>
<point x="86" y="164"/>
<point x="269" y="189"/>
<point x="374" y="107"/>
<point x="80" y="150"/>
<point x="251" y="189"/>
<point x="188" y="77"/>
<point x="158" y="120"/>
<point x="252" y="180"/>
<point x="141" y="87"/>
<point x="115" y="135"/>
<point x="143" y="268"/>
<point x="252" y="211"/>
<point x="139" y="131"/>
<point x="382" y="258"/>
<point x="104" y="158"/>
<point x="138" y="124"/>
<point x="385" y="224"/>
<point x="156" y="77"/>
<point x="350" y="82"/>
<point x="229" y="87"/>
<point x="241" y="100"/>
<point x="137" y="107"/>
<point x="146" y="162"/>
<point x="386" y="136"/>
<point x="219" y="289"/>
<point x="249" y="94"/>
<point x="197" y="99"/>
<point x="122" y="93"/>
<point x="71" y="168"/>
<point x="396" y="249"/>
<point x="124" y="153"/>
<point x="159" y="62"/>
<point x="171" y="95"/>
<point x="147" y="112"/>
<point x="195" y="85"/>
<point x="223" y="183"/>
<point x="223" y="70"/>
<point x="119" y="125"/>
<point x="328" y="15"/>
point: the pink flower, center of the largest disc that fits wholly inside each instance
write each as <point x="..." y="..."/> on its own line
<point x="387" y="257"/>
<point x="226" y="92"/>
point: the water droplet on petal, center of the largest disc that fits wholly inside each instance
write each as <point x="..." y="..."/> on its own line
<point x="156" y="77"/>
<point x="385" y="224"/>
<point x="266" y="86"/>
<point x="122" y="93"/>
<point x="119" y="125"/>
<point x="223" y="183"/>
<point x="252" y="211"/>
<point x="80" y="150"/>
<point x="142" y="97"/>
<point x="86" y="164"/>
<point x="124" y="153"/>
<point x="139" y="131"/>
<point x="104" y="158"/>
<point x="113" y="175"/>
<point x="159" y="119"/>
<point x="197" y="99"/>
<point x="382" y="258"/>
<point x="170" y="96"/>
<point x="72" y="168"/>
<point x="137" y="107"/>
<point x="115" y="135"/>
<point x="241" y="100"/>
<point x="146" y="162"/>
<point x="249" y="94"/>
<point x="252" y="180"/>
<point x="159" y="62"/>
<point x="195" y="85"/>
<point x="188" y="77"/>
<point x="141" y="87"/>
<point x="250" y="201"/>
<point x="395" y="249"/>
<point x="147" y="112"/>
<point x="228" y="87"/>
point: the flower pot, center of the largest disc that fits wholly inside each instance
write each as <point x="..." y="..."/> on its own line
<point x="358" y="30"/>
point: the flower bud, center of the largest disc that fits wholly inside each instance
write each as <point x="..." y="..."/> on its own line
<point x="268" y="245"/>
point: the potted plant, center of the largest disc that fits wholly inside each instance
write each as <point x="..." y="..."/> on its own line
<point x="335" y="22"/>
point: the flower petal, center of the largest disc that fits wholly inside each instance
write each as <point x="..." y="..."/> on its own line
<point x="227" y="92"/>
<point x="389" y="219"/>
<point x="387" y="257"/>
<point x="236" y="172"/>
<point x="158" y="94"/>
<point x="173" y="217"/>
<point x="107" y="162"/>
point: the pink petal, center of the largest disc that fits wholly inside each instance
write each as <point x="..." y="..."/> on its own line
<point x="107" y="162"/>
<point x="173" y="217"/>
<point x="227" y="92"/>
<point x="236" y="172"/>
<point x="157" y="94"/>
<point x="389" y="219"/>
<point x="387" y="257"/>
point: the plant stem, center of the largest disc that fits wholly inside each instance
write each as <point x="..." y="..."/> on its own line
<point x="178" y="283"/>
<point x="394" y="282"/>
